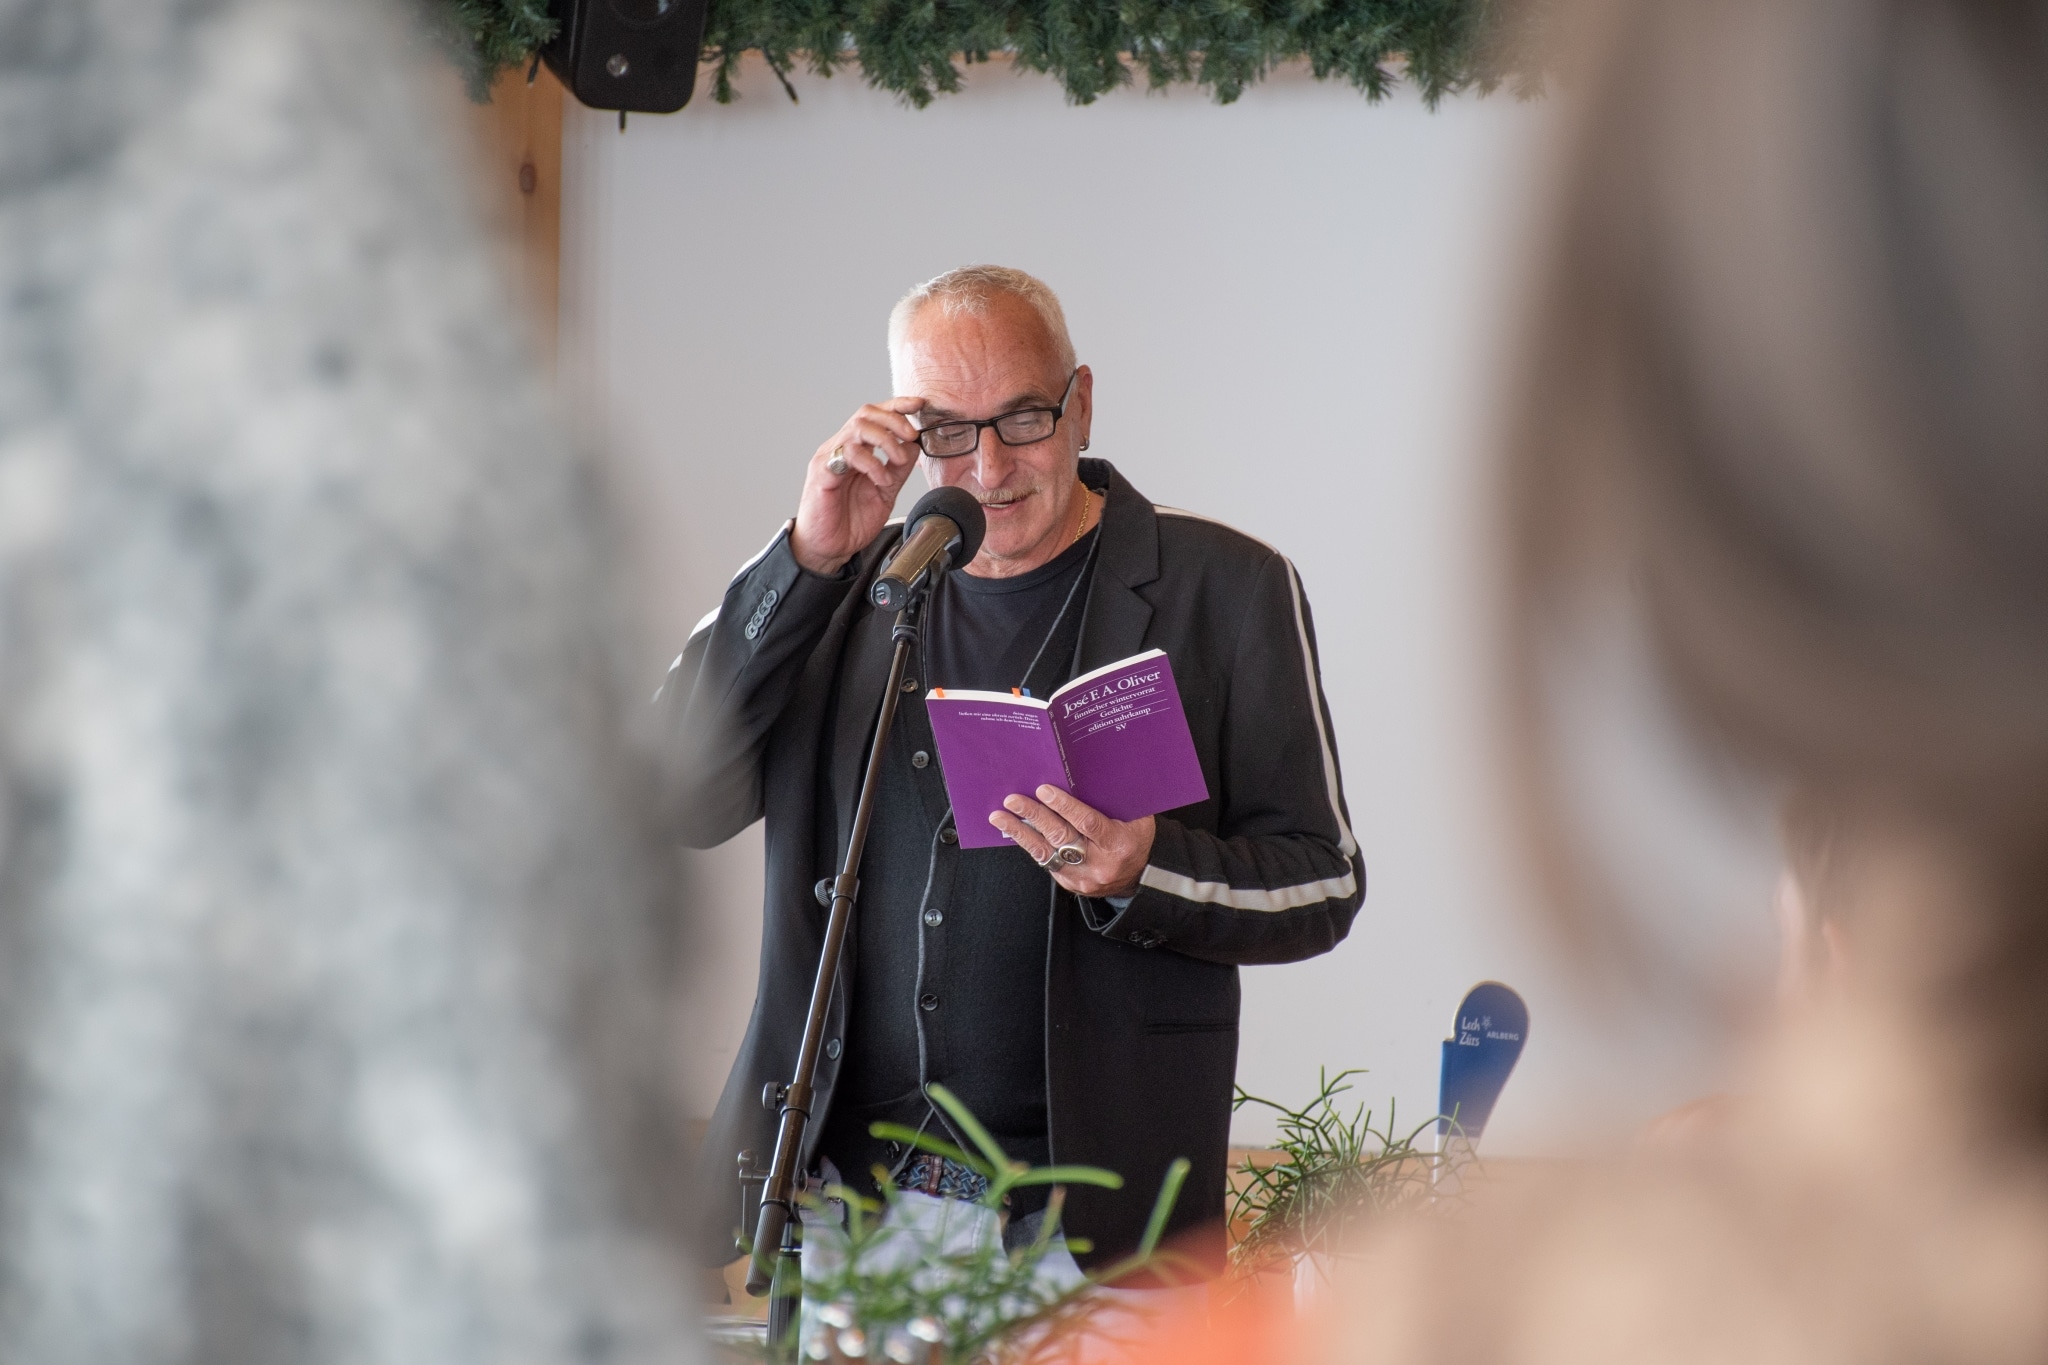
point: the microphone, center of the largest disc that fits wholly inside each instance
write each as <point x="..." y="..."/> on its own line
<point x="945" y="522"/>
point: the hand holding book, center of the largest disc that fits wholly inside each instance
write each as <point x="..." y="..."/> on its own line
<point x="1113" y="852"/>
<point x="1110" y="749"/>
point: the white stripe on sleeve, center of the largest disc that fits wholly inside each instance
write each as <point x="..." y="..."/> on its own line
<point x="1248" y="898"/>
<point x="1345" y="843"/>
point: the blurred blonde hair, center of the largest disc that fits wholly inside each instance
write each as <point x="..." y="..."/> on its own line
<point x="1787" y="397"/>
<point x="1785" y="404"/>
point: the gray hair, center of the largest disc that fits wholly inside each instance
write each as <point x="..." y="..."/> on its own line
<point x="969" y="290"/>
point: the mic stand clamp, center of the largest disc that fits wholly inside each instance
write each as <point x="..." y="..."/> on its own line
<point x="775" y="1267"/>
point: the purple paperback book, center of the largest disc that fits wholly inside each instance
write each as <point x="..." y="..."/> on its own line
<point x="1115" y="738"/>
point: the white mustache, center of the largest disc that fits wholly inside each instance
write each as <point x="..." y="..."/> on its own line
<point x="1005" y="498"/>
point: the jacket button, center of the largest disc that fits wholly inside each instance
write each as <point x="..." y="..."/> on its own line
<point x="934" y="917"/>
<point x="910" y="684"/>
<point x="832" y="1048"/>
<point x="927" y="1002"/>
<point x="760" y="616"/>
<point x="949" y="835"/>
<point x="919" y="759"/>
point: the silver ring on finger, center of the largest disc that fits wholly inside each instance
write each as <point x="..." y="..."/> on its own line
<point x="1049" y="861"/>
<point x="1070" y="854"/>
<point x="837" y="464"/>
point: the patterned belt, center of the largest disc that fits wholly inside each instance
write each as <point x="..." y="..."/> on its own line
<point x="942" y="1178"/>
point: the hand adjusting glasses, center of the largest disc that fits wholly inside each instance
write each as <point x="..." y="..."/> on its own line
<point x="1019" y="427"/>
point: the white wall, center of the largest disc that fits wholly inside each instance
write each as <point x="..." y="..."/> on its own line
<point x="1293" y="306"/>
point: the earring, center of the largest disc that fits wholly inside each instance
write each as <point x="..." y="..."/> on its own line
<point x="1084" y="443"/>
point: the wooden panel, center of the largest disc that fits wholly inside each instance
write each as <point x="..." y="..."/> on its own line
<point x="518" y="135"/>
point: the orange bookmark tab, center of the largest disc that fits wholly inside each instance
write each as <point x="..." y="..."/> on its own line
<point x="1016" y="691"/>
<point x="939" y="692"/>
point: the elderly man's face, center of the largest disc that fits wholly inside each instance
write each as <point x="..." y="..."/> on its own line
<point x="981" y="366"/>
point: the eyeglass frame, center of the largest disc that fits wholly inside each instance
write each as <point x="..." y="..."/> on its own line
<point x="979" y="425"/>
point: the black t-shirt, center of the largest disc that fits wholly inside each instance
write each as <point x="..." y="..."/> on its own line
<point x="994" y="634"/>
<point x="950" y="943"/>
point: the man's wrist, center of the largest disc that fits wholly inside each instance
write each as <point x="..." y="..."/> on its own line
<point x="814" y="564"/>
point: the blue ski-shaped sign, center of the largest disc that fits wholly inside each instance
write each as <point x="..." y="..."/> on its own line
<point x="1493" y="1023"/>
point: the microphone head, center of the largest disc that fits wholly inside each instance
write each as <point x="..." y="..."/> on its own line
<point x="958" y="506"/>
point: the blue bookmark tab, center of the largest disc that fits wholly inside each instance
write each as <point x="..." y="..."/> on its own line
<point x="1493" y="1023"/>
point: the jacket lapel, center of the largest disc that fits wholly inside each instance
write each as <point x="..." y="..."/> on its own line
<point x="1114" y="624"/>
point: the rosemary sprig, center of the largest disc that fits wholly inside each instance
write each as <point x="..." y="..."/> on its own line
<point x="1335" y="1170"/>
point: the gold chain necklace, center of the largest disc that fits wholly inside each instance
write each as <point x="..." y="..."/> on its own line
<point x="1087" y="499"/>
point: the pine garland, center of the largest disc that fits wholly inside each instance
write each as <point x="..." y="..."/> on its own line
<point x="914" y="47"/>
<point x="486" y="36"/>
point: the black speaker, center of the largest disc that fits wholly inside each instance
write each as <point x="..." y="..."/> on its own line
<point x="637" y="56"/>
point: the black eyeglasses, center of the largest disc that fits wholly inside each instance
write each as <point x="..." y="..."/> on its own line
<point x="1018" y="427"/>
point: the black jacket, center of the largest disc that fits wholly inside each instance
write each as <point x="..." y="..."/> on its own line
<point x="768" y="710"/>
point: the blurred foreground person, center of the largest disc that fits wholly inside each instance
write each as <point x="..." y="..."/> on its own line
<point x="334" y="1001"/>
<point x="1786" y="430"/>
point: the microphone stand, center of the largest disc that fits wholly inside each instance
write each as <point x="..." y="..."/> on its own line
<point x="777" y="1256"/>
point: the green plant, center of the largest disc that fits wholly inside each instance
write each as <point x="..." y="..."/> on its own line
<point x="486" y="36"/>
<point x="1334" y="1170"/>
<point x="914" y="49"/>
<point x="986" y="1303"/>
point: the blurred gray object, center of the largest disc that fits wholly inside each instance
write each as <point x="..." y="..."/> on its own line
<point x="335" y="958"/>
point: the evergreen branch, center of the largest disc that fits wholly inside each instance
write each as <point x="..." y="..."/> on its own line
<point x="915" y="48"/>
<point x="484" y="37"/>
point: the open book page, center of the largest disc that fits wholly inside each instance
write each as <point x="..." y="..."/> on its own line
<point x="1125" y="739"/>
<point x="990" y="745"/>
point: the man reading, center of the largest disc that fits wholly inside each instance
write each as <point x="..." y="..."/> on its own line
<point x="1076" y="987"/>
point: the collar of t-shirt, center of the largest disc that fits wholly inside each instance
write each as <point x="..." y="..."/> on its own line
<point x="987" y="633"/>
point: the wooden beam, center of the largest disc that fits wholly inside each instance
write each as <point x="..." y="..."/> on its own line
<point x="518" y="135"/>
